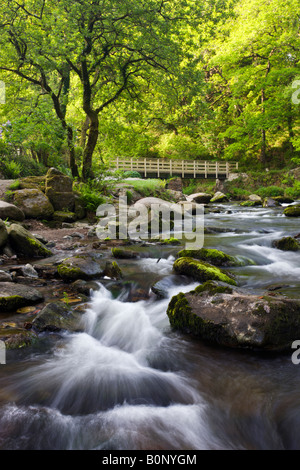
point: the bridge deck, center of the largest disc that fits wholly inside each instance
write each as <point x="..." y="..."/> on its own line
<point x="162" y="168"/>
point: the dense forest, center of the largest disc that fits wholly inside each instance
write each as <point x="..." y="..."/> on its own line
<point x="89" y="80"/>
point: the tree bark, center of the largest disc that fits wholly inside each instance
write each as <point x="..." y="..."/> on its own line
<point x="87" y="158"/>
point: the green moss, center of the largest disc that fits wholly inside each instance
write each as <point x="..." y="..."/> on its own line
<point x="171" y="241"/>
<point x="287" y="244"/>
<point x="38" y="247"/>
<point x="292" y="211"/>
<point x="215" y="257"/>
<point x="212" y="288"/>
<point x="11" y="303"/>
<point x="68" y="272"/>
<point x="250" y="203"/>
<point x="201" y="271"/>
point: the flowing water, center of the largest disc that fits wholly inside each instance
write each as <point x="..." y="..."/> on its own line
<point x="128" y="382"/>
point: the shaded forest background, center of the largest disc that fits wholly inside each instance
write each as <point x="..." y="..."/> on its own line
<point x="87" y="81"/>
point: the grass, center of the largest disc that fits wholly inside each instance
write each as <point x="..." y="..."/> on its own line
<point x="147" y="187"/>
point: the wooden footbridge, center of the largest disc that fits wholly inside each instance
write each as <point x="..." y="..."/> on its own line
<point x="164" y="168"/>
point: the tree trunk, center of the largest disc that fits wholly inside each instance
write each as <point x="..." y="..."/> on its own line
<point x="263" y="134"/>
<point x="87" y="172"/>
<point x="71" y="153"/>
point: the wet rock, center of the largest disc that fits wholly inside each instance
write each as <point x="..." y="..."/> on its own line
<point x="219" y="197"/>
<point x="57" y="316"/>
<point x="286" y="244"/>
<point x="292" y="211"/>
<point x="29" y="271"/>
<point x="33" y="203"/>
<point x="200" y="198"/>
<point x="214" y="257"/>
<point x="201" y="271"/>
<point x="85" y="287"/>
<point x="220" y="314"/>
<point x="120" y="253"/>
<point x="112" y="270"/>
<point x="14" y="296"/>
<point x="11" y="212"/>
<point x="270" y="202"/>
<point x="79" y="267"/>
<point x="24" y="243"/>
<point x="283" y="199"/>
<point x="5" y="277"/>
<point x="17" y="338"/>
<point x="3" y="234"/>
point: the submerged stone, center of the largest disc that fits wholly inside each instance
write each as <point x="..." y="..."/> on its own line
<point x="287" y="244"/>
<point x="57" y="316"/>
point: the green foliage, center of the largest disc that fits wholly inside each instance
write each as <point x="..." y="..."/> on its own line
<point x="11" y="169"/>
<point x="15" y="185"/>
<point x="90" y="195"/>
<point x="293" y="192"/>
<point x="132" y="174"/>
<point x="148" y="187"/>
<point x="271" y="191"/>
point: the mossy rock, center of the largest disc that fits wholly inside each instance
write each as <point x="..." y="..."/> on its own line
<point x="14" y="296"/>
<point x="57" y="316"/>
<point x="119" y="253"/>
<point x="33" y="182"/>
<point x="17" y="338"/>
<point x="79" y="267"/>
<point x="225" y="316"/>
<point x="292" y="211"/>
<point x="251" y="203"/>
<point x="201" y="271"/>
<point x="287" y="244"/>
<point x="64" y="216"/>
<point x="212" y="256"/>
<point x="33" y="203"/>
<point x="112" y="270"/>
<point x="25" y="244"/>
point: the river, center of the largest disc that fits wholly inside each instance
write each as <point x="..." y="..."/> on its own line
<point x="128" y="382"/>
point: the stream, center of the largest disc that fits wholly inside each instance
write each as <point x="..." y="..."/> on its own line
<point x="128" y="382"/>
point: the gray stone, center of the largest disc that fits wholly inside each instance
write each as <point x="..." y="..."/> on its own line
<point x="224" y="315"/>
<point x="24" y="243"/>
<point x="5" y="277"/>
<point x="79" y="267"/>
<point x="14" y="296"/>
<point x="200" y="198"/>
<point x="11" y="212"/>
<point x="57" y="316"/>
<point x="33" y="203"/>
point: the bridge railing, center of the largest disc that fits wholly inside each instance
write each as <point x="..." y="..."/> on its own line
<point x="184" y="168"/>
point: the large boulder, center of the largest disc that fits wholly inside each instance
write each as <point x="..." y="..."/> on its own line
<point x="219" y="197"/>
<point x="219" y="314"/>
<point x="201" y="271"/>
<point x="57" y="316"/>
<point x="59" y="190"/>
<point x="25" y="244"/>
<point x="33" y="203"/>
<point x="200" y="198"/>
<point x="11" y="212"/>
<point x="292" y="211"/>
<point x="14" y="296"/>
<point x="3" y="234"/>
<point x="287" y="244"/>
<point x="79" y="267"/>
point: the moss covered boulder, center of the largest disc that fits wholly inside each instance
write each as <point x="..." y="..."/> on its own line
<point x="201" y="271"/>
<point x="219" y="197"/>
<point x="112" y="270"/>
<point x="292" y="211"/>
<point x="33" y="203"/>
<point x="17" y="338"/>
<point x="57" y="316"/>
<point x="25" y="244"/>
<point x="223" y="315"/>
<point x="215" y="257"/>
<point x="287" y="244"/>
<point x="64" y="216"/>
<point x="79" y="267"/>
<point x="14" y="296"/>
